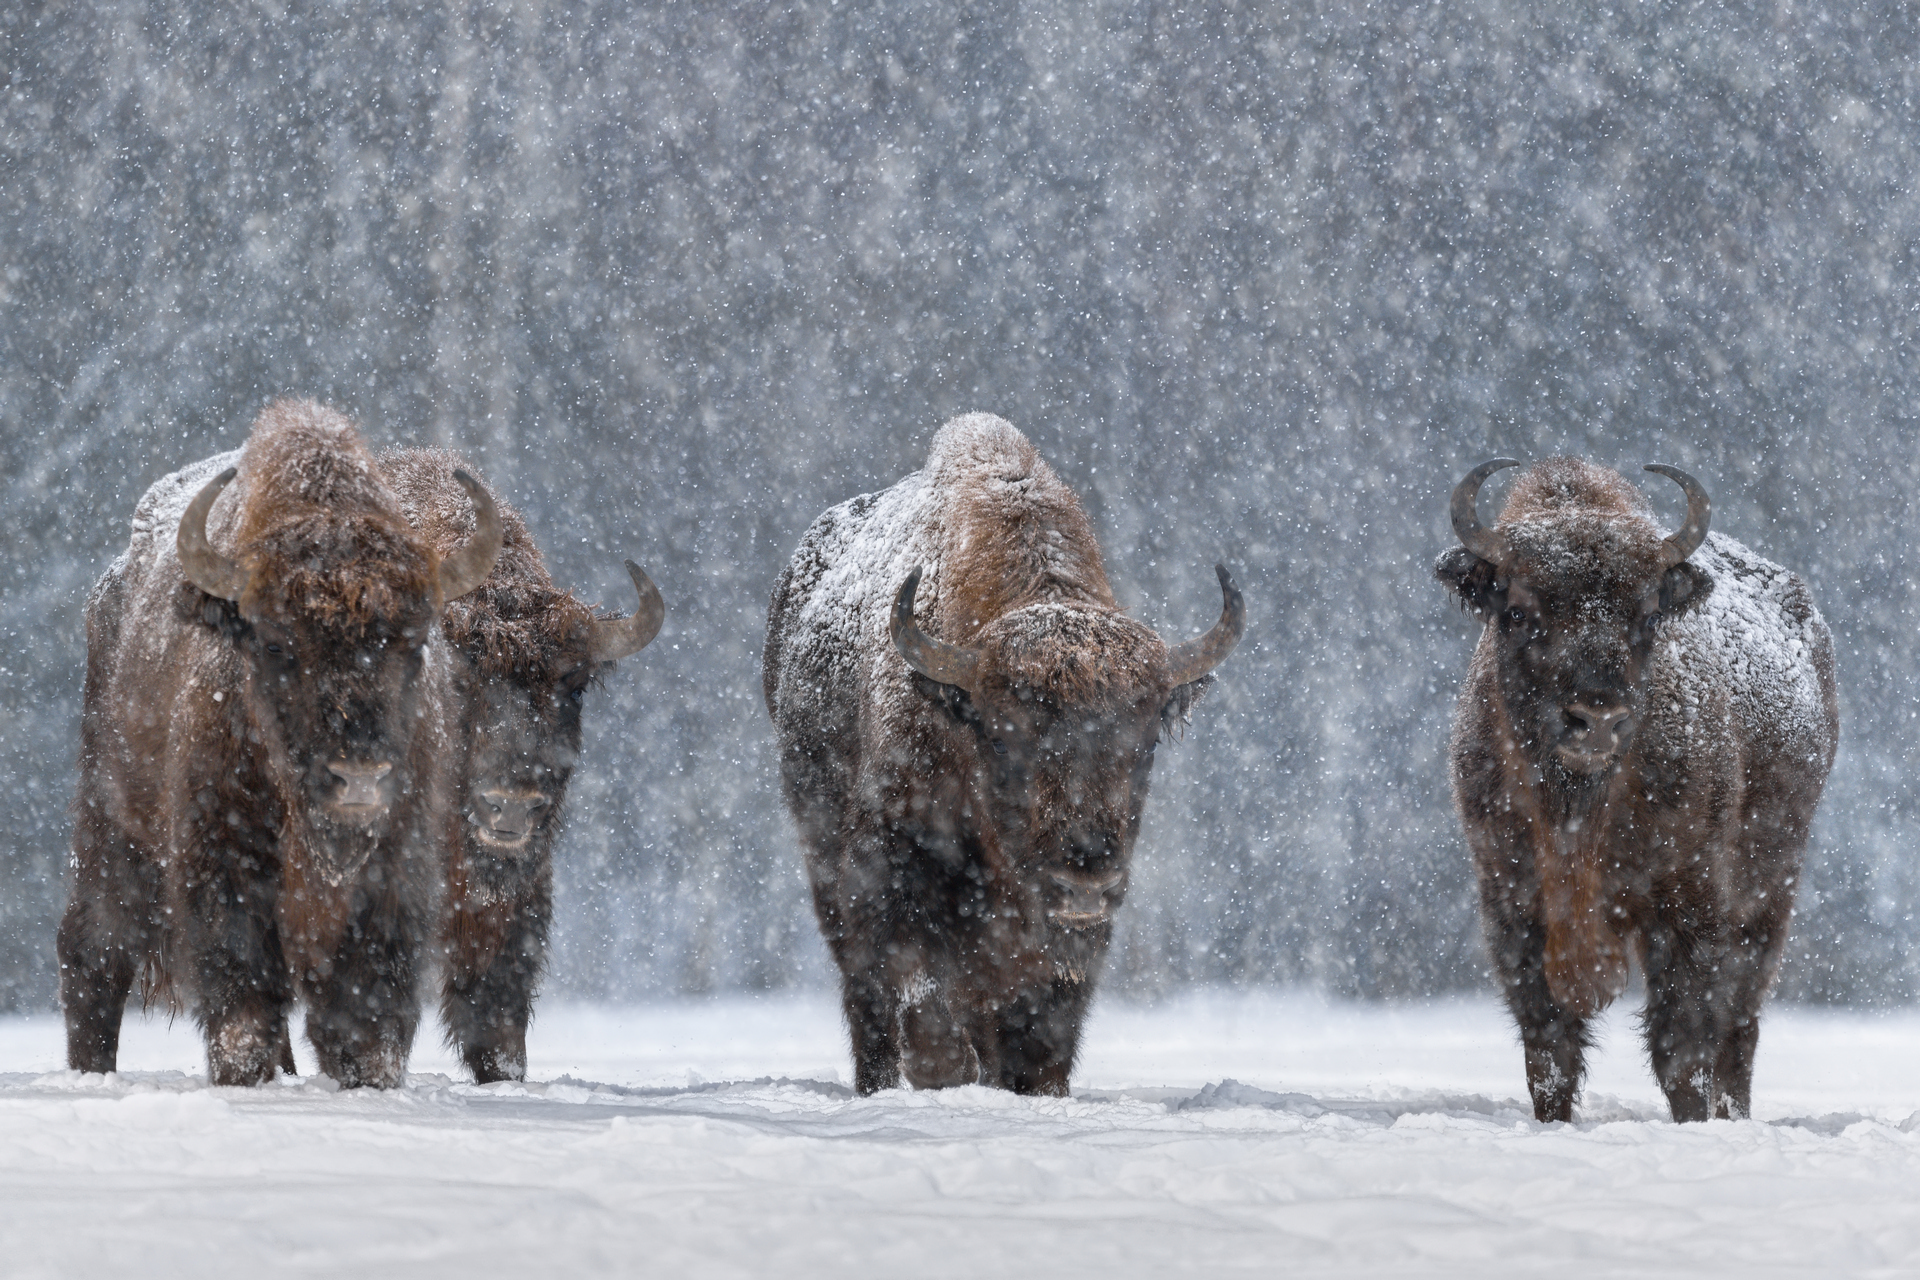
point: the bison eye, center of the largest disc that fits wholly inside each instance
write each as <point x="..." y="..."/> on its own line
<point x="999" y="747"/>
<point x="576" y="696"/>
<point x="1517" y="617"/>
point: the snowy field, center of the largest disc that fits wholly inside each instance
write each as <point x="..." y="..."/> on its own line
<point x="1212" y="1135"/>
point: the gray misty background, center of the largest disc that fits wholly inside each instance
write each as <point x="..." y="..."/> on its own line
<point x="1260" y="281"/>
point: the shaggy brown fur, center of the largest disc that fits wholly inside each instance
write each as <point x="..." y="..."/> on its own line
<point x="525" y="661"/>
<point x="1680" y="842"/>
<point x="211" y="843"/>
<point x="967" y="847"/>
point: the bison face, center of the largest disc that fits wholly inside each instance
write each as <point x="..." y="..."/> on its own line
<point x="1571" y="654"/>
<point x="1066" y="704"/>
<point x="1573" y="593"/>
<point x="531" y="654"/>
<point x="338" y="714"/>
<point x="1064" y="785"/>
<point x="525" y="738"/>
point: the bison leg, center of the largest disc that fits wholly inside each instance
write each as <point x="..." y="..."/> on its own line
<point x="487" y="1013"/>
<point x="1746" y="973"/>
<point x="936" y="1052"/>
<point x="872" y="1008"/>
<point x="233" y="945"/>
<point x="106" y="930"/>
<point x="95" y="978"/>
<point x="1554" y="1039"/>
<point x="1680" y="1020"/>
<point x="1039" y="1037"/>
<point x="361" y="1017"/>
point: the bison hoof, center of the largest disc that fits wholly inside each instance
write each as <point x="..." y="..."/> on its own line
<point x="243" y="1054"/>
<point x="490" y="1066"/>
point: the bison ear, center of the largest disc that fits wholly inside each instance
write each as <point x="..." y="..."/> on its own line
<point x="1684" y="587"/>
<point x="951" y="697"/>
<point x="196" y="608"/>
<point x="1468" y="577"/>
<point x="1178" y="713"/>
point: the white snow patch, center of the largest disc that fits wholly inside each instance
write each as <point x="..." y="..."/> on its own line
<point x="1218" y="1134"/>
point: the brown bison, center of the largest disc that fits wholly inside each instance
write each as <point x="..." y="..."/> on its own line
<point x="969" y="787"/>
<point x="525" y="652"/>
<point x="1638" y="750"/>
<point x="263" y="797"/>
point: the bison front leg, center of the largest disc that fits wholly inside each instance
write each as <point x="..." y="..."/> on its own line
<point x="1038" y="1038"/>
<point x="362" y="1013"/>
<point x="231" y="941"/>
<point x="1554" y="1039"/>
<point x="872" y="1009"/>
<point x="936" y="1051"/>
<point x="487" y="1012"/>
<point x="1680" y="1022"/>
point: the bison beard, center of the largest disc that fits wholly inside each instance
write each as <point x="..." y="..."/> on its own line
<point x="525" y="653"/>
<point x="969" y="804"/>
<point x="262" y="793"/>
<point x="1638" y="750"/>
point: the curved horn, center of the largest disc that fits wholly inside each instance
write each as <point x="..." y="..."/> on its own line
<point x="206" y="568"/>
<point x="468" y="567"/>
<point x="1486" y="543"/>
<point x="1680" y="545"/>
<point x="619" y="638"/>
<point x="934" y="659"/>
<point x="1192" y="659"/>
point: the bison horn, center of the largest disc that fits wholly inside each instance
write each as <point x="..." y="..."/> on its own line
<point x="1486" y="543"/>
<point x="1192" y="659"/>
<point x="468" y="567"/>
<point x="206" y="568"/>
<point x="935" y="659"/>
<point x="1680" y="545"/>
<point x="618" y="638"/>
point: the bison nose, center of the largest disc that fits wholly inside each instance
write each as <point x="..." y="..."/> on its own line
<point x="363" y="785"/>
<point x="1082" y="899"/>
<point x="1602" y="723"/>
<point x="507" y="817"/>
<point x="1598" y="726"/>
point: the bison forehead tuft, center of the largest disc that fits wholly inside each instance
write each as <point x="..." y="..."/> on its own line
<point x="352" y="575"/>
<point x="1076" y="656"/>
<point x="1584" y="554"/>
<point x="521" y="632"/>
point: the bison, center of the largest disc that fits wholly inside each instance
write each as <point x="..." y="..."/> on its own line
<point x="1637" y="752"/>
<point x="525" y="653"/>
<point x="264" y="748"/>
<point x="968" y="786"/>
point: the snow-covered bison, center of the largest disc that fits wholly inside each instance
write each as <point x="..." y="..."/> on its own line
<point x="263" y="793"/>
<point x="1637" y="753"/>
<point x="524" y="653"/>
<point x="969" y="786"/>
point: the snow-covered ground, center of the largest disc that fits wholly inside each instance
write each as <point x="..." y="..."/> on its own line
<point x="1217" y="1134"/>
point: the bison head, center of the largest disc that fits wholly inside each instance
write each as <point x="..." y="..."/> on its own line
<point x="1574" y="582"/>
<point x="1066" y="705"/>
<point x="534" y="652"/>
<point x="330" y="614"/>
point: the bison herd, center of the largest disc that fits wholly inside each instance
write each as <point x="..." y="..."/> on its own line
<point x="333" y="703"/>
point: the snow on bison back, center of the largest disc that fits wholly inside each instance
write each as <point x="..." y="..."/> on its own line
<point x="263" y="793"/>
<point x="1638" y="750"/>
<point x="968" y="785"/>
